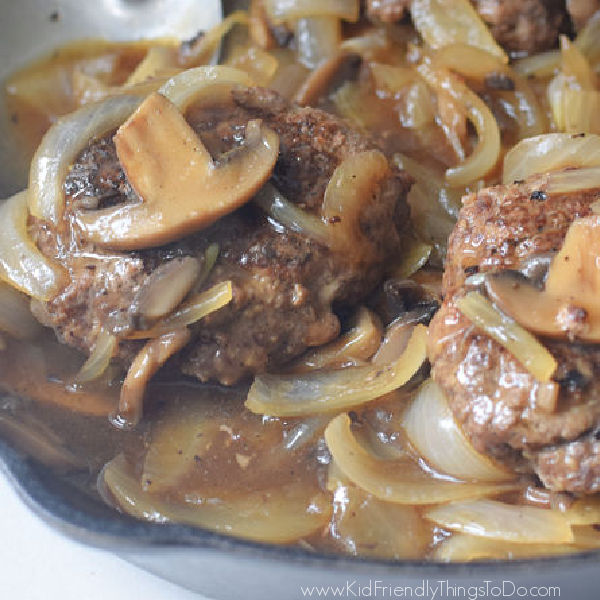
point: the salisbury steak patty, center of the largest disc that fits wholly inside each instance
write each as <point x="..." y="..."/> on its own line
<point x="520" y="26"/>
<point x="497" y="401"/>
<point x="285" y="286"/>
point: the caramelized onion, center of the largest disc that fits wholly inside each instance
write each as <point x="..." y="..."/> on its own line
<point x="462" y="548"/>
<point x="519" y="103"/>
<point x="400" y="481"/>
<point x="33" y="437"/>
<point x="584" y="511"/>
<point x="504" y="330"/>
<point x="205" y="47"/>
<point x="22" y="265"/>
<point x="576" y="111"/>
<point x="441" y="23"/>
<point x="350" y="189"/>
<point x="413" y="259"/>
<point x="358" y="344"/>
<point x="179" y="438"/>
<point x="550" y="152"/>
<point x="499" y="521"/>
<point x="15" y="316"/>
<point x="317" y="39"/>
<point x="573" y="180"/>
<point x="99" y="359"/>
<point x="286" y="10"/>
<point x="207" y="85"/>
<point x="190" y="312"/>
<point x="433" y="431"/>
<point x="166" y="287"/>
<point x="260" y="65"/>
<point x="366" y="526"/>
<point x="290" y="216"/>
<point x="335" y="390"/>
<point x="485" y="155"/>
<point x="281" y="515"/>
<point x="61" y="145"/>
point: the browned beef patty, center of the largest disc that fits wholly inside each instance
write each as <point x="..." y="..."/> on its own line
<point x="520" y="26"/>
<point x="491" y="394"/>
<point x="286" y="286"/>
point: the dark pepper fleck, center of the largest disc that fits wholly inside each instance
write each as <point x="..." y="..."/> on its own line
<point x="538" y="196"/>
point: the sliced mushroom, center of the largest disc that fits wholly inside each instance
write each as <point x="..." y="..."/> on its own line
<point x="182" y="188"/>
<point x="148" y="361"/>
<point x="568" y="305"/>
<point x="166" y="288"/>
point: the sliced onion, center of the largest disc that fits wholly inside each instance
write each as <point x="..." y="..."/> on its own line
<point x="352" y="186"/>
<point x="279" y="516"/>
<point x="158" y="60"/>
<point x="391" y="78"/>
<point x="335" y="390"/>
<point x="585" y="511"/>
<point x="413" y="259"/>
<point x="433" y="431"/>
<point x="521" y="103"/>
<point x="586" y="536"/>
<point x="575" y="66"/>
<point x="166" y="287"/>
<point x="575" y="180"/>
<point x="15" y="315"/>
<point x="261" y="66"/>
<point x="99" y="359"/>
<point x="441" y="24"/>
<point x="61" y="145"/>
<point x="290" y="10"/>
<point x="434" y="204"/>
<point x="400" y="481"/>
<point x="33" y="437"/>
<point x="500" y="521"/>
<point x="365" y="526"/>
<point x="509" y="334"/>
<point x="204" y="49"/>
<point x="550" y="152"/>
<point x="542" y="64"/>
<point x="291" y="217"/>
<point x="190" y="312"/>
<point x="588" y="39"/>
<point x="179" y="437"/>
<point x="204" y="84"/>
<point x="41" y="371"/>
<point x="576" y="111"/>
<point x="22" y="265"/>
<point x="359" y="343"/>
<point x="463" y="548"/>
<point x="487" y="152"/>
<point x="211" y="254"/>
<point x="317" y="39"/>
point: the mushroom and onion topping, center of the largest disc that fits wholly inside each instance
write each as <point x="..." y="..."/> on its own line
<point x="339" y="291"/>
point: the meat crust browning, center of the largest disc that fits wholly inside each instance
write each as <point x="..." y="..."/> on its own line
<point x="525" y="26"/>
<point x="496" y="400"/>
<point x="520" y="26"/>
<point x="285" y="286"/>
<point x="388" y="11"/>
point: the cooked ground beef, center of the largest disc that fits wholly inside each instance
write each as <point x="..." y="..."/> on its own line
<point x="286" y="286"/>
<point x="520" y="26"/>
<point x="388" y="11"/>
<point x="525" y="26"/>
<point x="491" y="394"/>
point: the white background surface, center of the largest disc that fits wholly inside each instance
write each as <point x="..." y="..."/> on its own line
<point x="37" y="563"/>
